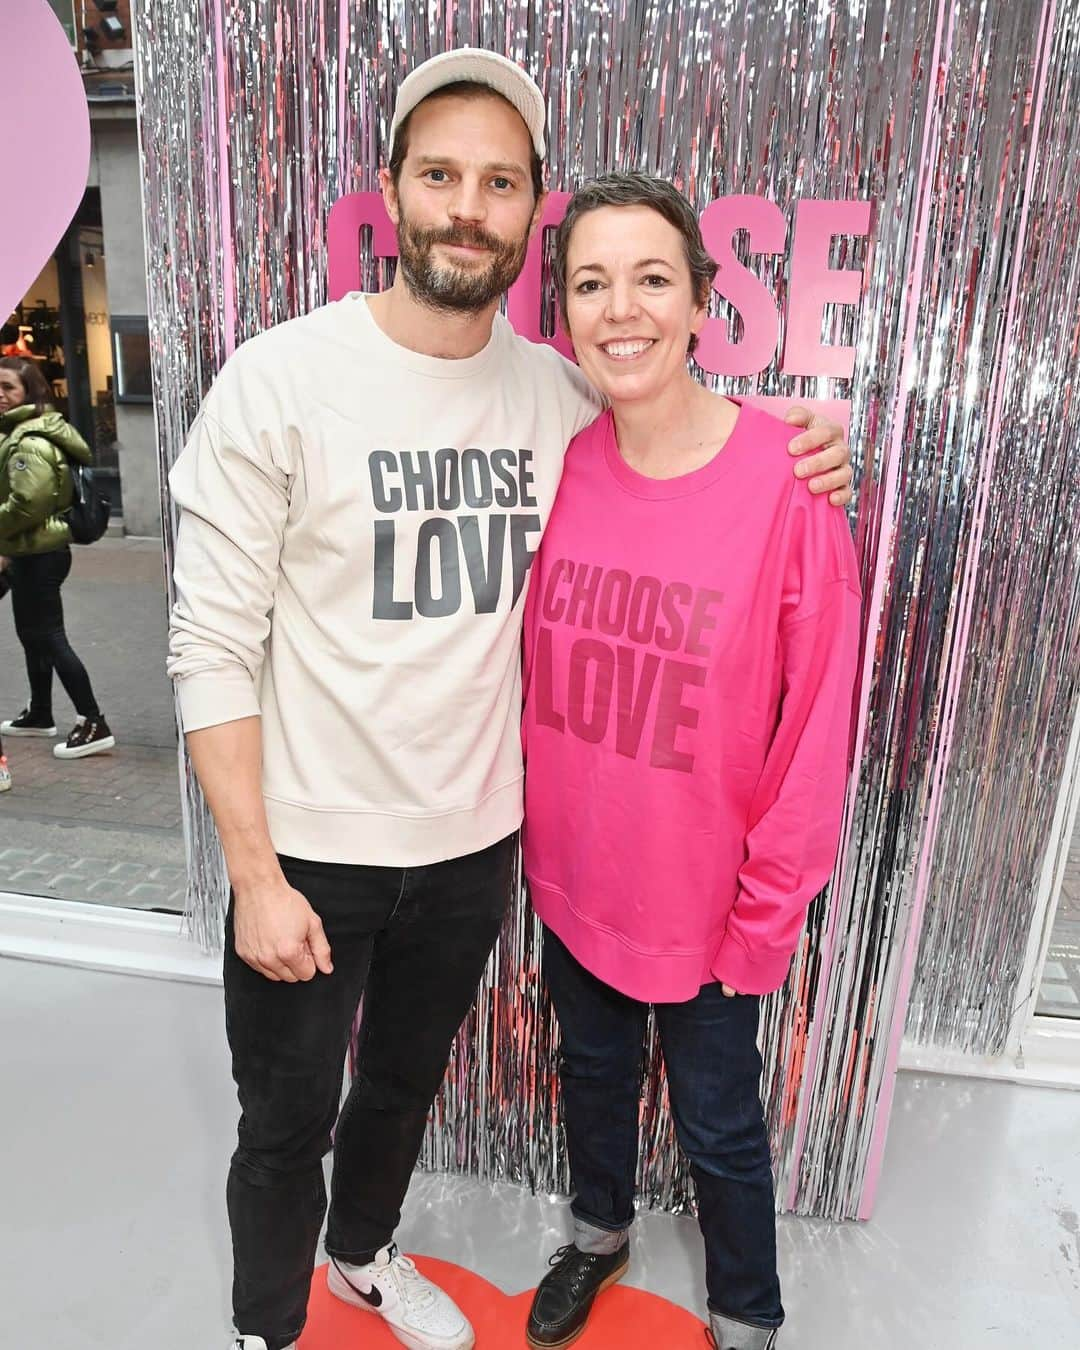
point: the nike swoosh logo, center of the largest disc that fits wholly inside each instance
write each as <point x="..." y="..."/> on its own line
<point x="372" y="1297"/>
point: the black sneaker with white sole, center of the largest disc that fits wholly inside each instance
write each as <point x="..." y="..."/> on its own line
<point x="89" y="736"/>
<point x="28" y="724"/>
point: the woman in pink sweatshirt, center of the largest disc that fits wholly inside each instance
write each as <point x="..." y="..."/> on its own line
<point x="691" y="643"/>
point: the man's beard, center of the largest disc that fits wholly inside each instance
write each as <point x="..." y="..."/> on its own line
<point x="457" y="290"/>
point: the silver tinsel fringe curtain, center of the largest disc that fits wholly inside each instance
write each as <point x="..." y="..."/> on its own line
<point x="958" y="122"/>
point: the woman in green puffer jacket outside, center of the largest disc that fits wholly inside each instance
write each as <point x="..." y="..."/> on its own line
<point x="37" y="448"/>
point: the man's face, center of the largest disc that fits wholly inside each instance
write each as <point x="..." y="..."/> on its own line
<point x="463" y="206"/>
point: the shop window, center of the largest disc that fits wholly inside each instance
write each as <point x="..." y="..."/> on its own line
<point x="131" y="359"/>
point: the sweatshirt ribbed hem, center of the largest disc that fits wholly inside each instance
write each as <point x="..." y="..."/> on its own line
<point x="379" y="839"/>
<point x="649" y="977"/>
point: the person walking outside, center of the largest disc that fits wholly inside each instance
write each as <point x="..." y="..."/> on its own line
<point x="37" y="448"/>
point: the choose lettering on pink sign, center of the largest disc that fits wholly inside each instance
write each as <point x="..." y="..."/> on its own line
<point x="812" y="286"/>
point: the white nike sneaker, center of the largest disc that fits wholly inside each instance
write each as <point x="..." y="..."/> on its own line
<point x="254" y="1343"/>
<point x="418" y="1312"/>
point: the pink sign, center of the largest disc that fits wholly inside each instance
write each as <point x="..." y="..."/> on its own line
<point x="812" y="285"/>
<point x="45" y="170"/>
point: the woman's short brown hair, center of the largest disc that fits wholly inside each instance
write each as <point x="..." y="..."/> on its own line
<point x="38" y="390"/>
<point x="638" y="189"/>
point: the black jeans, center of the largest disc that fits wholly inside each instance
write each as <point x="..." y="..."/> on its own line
<point x="39" y="624"/>
<point x="413" y="942"/>
<point x="714" y="1069"/>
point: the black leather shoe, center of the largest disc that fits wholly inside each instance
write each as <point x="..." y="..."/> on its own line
<point x="564" y="1298"/>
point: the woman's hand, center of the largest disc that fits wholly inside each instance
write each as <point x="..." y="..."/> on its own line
<point x="728" y="991"/>
<point x="829" y="470"/>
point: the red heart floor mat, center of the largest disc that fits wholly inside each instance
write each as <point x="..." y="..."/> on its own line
<point x="622" y="1319"/>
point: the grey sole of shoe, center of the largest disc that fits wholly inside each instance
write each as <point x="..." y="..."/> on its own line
<point x="613" y="1278"/>
<point x="96" y="748"/>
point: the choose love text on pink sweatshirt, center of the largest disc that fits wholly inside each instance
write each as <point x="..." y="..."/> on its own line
<point x="691" y="649"/>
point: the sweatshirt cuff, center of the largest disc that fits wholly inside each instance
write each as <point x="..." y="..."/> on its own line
<point x="214" y="697"/>
<point x="732" y="965"/>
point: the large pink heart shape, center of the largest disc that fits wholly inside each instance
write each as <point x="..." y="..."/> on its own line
<point x="45" y="163"/>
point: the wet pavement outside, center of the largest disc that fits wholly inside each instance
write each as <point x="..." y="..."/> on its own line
<point x="105" y="829"/>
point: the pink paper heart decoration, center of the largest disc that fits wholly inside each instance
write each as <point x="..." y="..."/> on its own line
<point x="47" y="148"/>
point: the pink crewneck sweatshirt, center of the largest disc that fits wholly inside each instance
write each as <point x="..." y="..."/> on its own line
<point x="690" y="656"/>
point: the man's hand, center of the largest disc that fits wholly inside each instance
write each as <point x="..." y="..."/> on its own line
<point x="829" y="470"/>
<point x="278" y="933"/>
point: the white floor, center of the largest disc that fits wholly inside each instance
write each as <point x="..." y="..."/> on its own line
<point x="116" y="1126"/>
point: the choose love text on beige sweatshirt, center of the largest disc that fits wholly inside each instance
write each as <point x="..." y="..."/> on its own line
<point x="356" y="530"/>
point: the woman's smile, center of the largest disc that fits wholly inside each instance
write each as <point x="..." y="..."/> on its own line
<point x="627" y="349"/>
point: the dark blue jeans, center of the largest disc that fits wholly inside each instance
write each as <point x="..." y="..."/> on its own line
<point x="413" y="942"/>
<point x="714" y="1070"/>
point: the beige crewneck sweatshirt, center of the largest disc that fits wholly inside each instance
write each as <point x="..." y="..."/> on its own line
<point x="357" y="523"/>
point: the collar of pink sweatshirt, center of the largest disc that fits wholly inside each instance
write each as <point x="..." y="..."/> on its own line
<point x="690" y="656"/>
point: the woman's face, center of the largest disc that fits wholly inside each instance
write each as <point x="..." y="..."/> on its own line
<point x="12" y="391"/>
<point x="630" y="301"/>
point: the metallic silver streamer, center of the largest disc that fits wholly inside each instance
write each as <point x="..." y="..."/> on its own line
<point x="180" y="156"/>
<point x="1024" y="651"/>
<point x="958" y="121"/>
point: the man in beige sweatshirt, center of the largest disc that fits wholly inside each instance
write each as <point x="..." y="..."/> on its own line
<point x="361" y="497"/>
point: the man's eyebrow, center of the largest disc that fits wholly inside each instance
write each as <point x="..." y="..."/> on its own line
<point x="504" y="166"/>
<point x="498" y="166"/>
